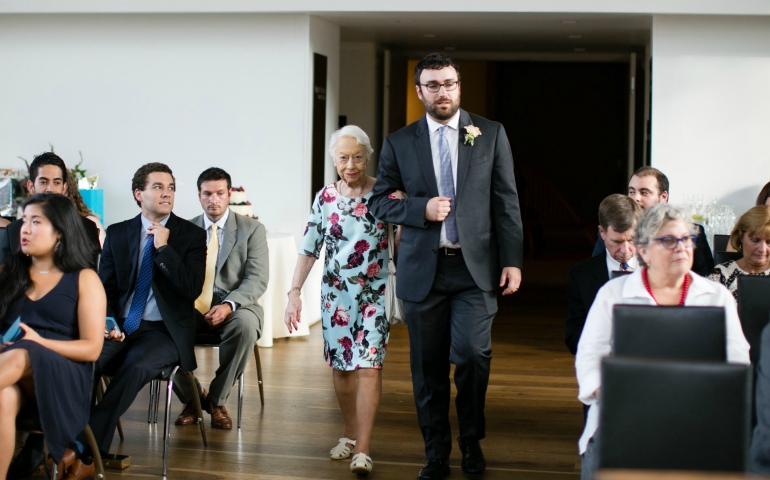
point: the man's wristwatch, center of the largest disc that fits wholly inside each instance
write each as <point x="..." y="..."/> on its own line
<point x="292" y="289"/>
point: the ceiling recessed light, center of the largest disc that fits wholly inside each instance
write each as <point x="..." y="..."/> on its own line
<point x="580" y="49"/>
<point x="575" y="36"/>
<point x="569" y="22"/>
<point x="429" y="35"/>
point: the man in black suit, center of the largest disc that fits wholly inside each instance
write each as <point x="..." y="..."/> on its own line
<point x="649" y="186"/>
<point x="47" y="174"/>
<point x="462" y="238"/>
<point x="617" y="221"/>
<point x="152" y="268"/>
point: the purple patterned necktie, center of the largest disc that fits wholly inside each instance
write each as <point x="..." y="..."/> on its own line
<point x="447" y="185"/>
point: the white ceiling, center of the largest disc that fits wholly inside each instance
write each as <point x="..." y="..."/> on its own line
<point x="496" y="32"/>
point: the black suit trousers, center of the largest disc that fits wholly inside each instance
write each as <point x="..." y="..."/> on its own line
<point x="452" y="324"/>
<point x="132" y="363"/>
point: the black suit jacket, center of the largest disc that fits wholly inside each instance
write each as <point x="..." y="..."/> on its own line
<point x="583" y="283"/>
<point x="177" y="277"/>
<point x="486" y="206"/>
<point x="10" y="243"/>
<point x="702" y="259"/>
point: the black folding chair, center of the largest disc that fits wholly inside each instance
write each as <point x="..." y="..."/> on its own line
<point x="724" y="257"/>
<point x="28" y="421"/>
<point x="659" y="415"/>
<point x="673" y="333"/>
<point x="213" y="340"/>
<point x="167" y="375"/>
<point x="753" y="310"/>
<point x="721" y="242"/>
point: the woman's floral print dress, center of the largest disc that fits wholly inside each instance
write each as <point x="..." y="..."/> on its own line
<point x="355" y="329"/>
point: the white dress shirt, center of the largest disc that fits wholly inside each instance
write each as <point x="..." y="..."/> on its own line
<point x="596" y="339"/>
<point x="451" y="133"/>
<point x="220" y="238"/>
<point x="614" y="266"/>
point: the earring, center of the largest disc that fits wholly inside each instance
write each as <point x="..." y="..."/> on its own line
<point x="57" y="248"/>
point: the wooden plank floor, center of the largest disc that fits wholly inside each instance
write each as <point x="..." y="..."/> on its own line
<point x="533" y="416"/>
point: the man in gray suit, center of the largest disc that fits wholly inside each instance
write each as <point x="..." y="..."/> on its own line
<point x="462" y="238"/>
<point x="236" y="276"/>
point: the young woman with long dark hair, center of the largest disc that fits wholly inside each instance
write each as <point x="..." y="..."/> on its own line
<point x="52" y="286"/>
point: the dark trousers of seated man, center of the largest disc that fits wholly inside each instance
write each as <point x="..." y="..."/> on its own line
<point x="132" y="364"/>
<point x="238" y="334"/>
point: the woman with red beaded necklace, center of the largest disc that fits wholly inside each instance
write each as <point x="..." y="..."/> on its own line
<point x="665" y="242"/>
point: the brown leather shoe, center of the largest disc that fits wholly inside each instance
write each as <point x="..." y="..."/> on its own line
<point x="188" y="416"/>
<point x="80" y="471"/>
<point x="67" y="460"/>
<point x="219" y="417"/>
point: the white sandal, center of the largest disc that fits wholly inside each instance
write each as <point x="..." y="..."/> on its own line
<point x="362" y="464"/>
<point x="342" y="450"/>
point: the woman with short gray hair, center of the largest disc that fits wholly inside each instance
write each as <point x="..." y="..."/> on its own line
<point x="665" y="241"/>
<point x="355" y="328"/>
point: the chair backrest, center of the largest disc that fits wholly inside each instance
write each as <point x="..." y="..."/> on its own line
<point x="662" y="415"/>
<point x="3" y="233"/>
<point x="674" y="333"/>
<point x="720" y="242"/>
<point x="722" y="257"/>
<point x="617" y="273"/>
<point x="753" y="310"/>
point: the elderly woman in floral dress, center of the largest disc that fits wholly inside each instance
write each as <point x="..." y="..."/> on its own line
<point x="355" y="328"/>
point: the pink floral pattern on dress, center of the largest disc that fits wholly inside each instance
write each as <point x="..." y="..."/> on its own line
<point x="355" y="244"/>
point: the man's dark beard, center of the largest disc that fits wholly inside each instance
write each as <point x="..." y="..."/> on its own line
<point x="434" y="112"/>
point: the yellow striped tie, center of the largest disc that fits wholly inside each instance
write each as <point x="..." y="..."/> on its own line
<point x="203" y="303"/>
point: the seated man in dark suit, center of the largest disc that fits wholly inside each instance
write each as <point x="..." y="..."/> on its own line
<point x="617" y="221"/>
<point x="152" y="268"/>
<point x="649" y="186"/>
<point x="236" y="276"/>
<point x="47" y="174"/>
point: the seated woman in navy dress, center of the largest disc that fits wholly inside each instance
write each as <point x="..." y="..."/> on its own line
<point x="52" y="286"/>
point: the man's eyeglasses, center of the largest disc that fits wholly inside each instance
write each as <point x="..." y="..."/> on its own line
<point x="435" y="87"/>
<point x="670" y="241"/>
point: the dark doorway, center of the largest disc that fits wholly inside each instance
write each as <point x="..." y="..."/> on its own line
<point x="319" y="123"/>
<point x="567" y="124"/>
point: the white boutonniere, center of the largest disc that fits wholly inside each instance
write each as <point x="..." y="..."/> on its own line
<point x="473" y="132"/>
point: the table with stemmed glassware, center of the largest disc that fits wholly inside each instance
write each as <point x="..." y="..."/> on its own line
<point x="715" y="218"/>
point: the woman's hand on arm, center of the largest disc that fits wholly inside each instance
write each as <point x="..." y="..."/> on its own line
<point x="294" y="307"/>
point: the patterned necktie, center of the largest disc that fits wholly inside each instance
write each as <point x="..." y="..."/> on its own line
<point x="203" y="302"/>
<point x="142" y="289"/>
<point x="624" y="267"/>
<point x="447" y="185"/>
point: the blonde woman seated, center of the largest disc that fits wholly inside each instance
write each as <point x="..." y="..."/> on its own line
<point x="52" y="287"/>
<point x="665" y="241"/>
<point x="750" y="236"/>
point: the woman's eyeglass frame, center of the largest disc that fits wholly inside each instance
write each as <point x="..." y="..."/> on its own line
<point x="688" y="241"/>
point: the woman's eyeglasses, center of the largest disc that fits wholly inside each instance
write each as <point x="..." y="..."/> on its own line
<point x="670" y="241"/>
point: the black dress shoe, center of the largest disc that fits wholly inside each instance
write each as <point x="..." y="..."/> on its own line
<point x="473" y="462"/>
<point x="26" y="463"/>
<point x="434" y="470"/>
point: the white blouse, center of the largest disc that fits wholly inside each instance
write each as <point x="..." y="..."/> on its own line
<point x="595" y="341"/>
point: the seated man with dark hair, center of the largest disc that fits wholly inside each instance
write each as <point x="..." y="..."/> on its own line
<point x="47" y="174"/>
<point x="649" y="186"/>
<point x="152" y="269"/>
<point x="236" y="276"/>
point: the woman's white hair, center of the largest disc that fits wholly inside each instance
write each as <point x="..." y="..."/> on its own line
<point x="354" y="132"/>
<point x="654" y="218"/>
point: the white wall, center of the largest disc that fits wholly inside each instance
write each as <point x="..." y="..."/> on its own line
<point x="358" y="82"/>
<point x="191" y="91"/>
<point x="711" y="106"/>
<point x="325" y="40"/>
